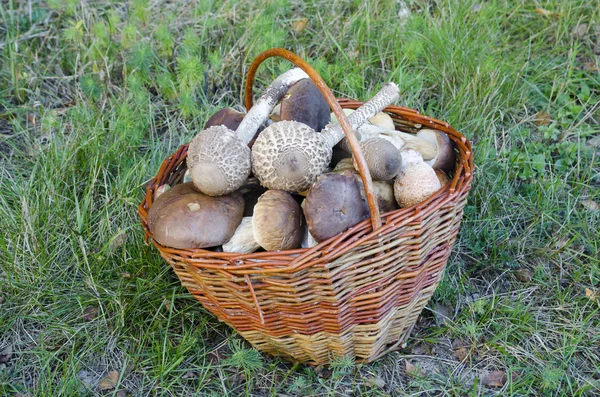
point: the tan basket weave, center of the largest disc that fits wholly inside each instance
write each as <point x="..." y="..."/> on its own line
<point x="357" y="294"/>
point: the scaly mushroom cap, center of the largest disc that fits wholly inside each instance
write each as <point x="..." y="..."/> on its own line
<point x="289" y="156"/>
<point x="277" y="221"/>
<point x="382" y="157"/>
<point x="415" y="182"/>
<point x="304" y="103"/>
<point x="228" y="117"/>
<point x="333" y="205"/>
<point x="185" y="218"/>
<point x="218" y="161"/>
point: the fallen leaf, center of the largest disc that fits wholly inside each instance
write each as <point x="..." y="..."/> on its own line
<point x="547" y="13"/>
<point x="590" y="66"/>
<point x="126" y="275"/>
<point x="590" y="205"/>
<point x="476" y="7"/>
<point x="580" y="31"/>
<point x="494" y="378"/>
<point x="190" y="375"/>
<point x="413" y="370"/>
<point x="594" y="142"/>
<point x="6" y="354"/>
<point x="523" y="275"/>
<point x="109" y="382"/>
<point x="299" y="25"/>
<point x="90" y="313"/>
<point x="118" y="241"/>
<point x="376" y="381"/>
<point x="542" y="118"/>
<point x="403" y="12"/>
<point x="442" y="314"/>
<point x="461" y="353"/>
<point x="589" y="293"/>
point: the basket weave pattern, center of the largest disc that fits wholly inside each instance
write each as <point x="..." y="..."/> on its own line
<point x="358" y="294"/>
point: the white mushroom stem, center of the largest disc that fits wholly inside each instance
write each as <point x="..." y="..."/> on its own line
<point x="289" y="155"/>
<point x="261" y="109"/>
<point x="384" y="97"/>
<point x="402" y="140"/>
<point x="243" y="240"/>
<point x="308" y="241"/>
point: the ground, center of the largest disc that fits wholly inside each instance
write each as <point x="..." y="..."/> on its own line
<point x="94" y="95"/>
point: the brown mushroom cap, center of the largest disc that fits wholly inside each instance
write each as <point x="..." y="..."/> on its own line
<point x="228" y="117"/>
<point x="382" y="157"/>
<point x="304" y="103"/>
<point x="218" y="161"/>
<point x="415" y="182"/>
<point x="185" y="218"/>
<point x="333" y="205"/>
<point x="287" y="155"/>
<point x="446" y="155"/>
<point x="383" y="190"/>
<point x="277" y="221"/>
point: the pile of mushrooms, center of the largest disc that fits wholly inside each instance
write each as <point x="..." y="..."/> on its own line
<point x="282" y="176"/>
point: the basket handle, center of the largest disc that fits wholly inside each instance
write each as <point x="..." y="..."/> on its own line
<point x="337" y="110"/>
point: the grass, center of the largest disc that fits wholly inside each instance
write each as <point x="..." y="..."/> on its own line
<point x="94" y="95"/>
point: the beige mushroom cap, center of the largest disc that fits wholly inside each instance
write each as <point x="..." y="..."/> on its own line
<point x="415" y="182"/>
<point x="277" y="221"/>
<point x="445" y="158"/>
<point x="185" y="218"/>
<point x="382" y="157"/>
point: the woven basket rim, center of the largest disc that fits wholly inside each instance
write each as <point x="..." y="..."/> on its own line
<point x="337" y="245"/>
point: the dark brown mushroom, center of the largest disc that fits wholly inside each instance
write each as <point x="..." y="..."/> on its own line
<point x="182" y="217"/>
<point x="333" y="205"/>
<point x="228" y="117"/>
<point x="304" y="103"/>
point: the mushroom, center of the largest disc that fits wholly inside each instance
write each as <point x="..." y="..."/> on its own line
<point x="445" y="158"/>
<point x="277" y="221"/>
<point x="275" y="225"/>
<point x="333" y="205"/>
<point x="381" y="119"/>
<point x="416" y="180"/>
<point x="185" y="218"/>
<point x="160" y="190"/>
<point x="218" y="158"/>
<point x="228" y="117"/>
<point x="382" y="157"/>
<point x="383" y="190"/>
<point x="289" y="155"/>
<point x="442" y="176"/>
<point x="243" y="240"/>
<point x="308" y="241"/>
<point x="402" y="140"/>
<point x="304" y="103"/>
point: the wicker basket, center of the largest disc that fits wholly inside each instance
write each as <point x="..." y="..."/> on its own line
<point x="357" y="294"/>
